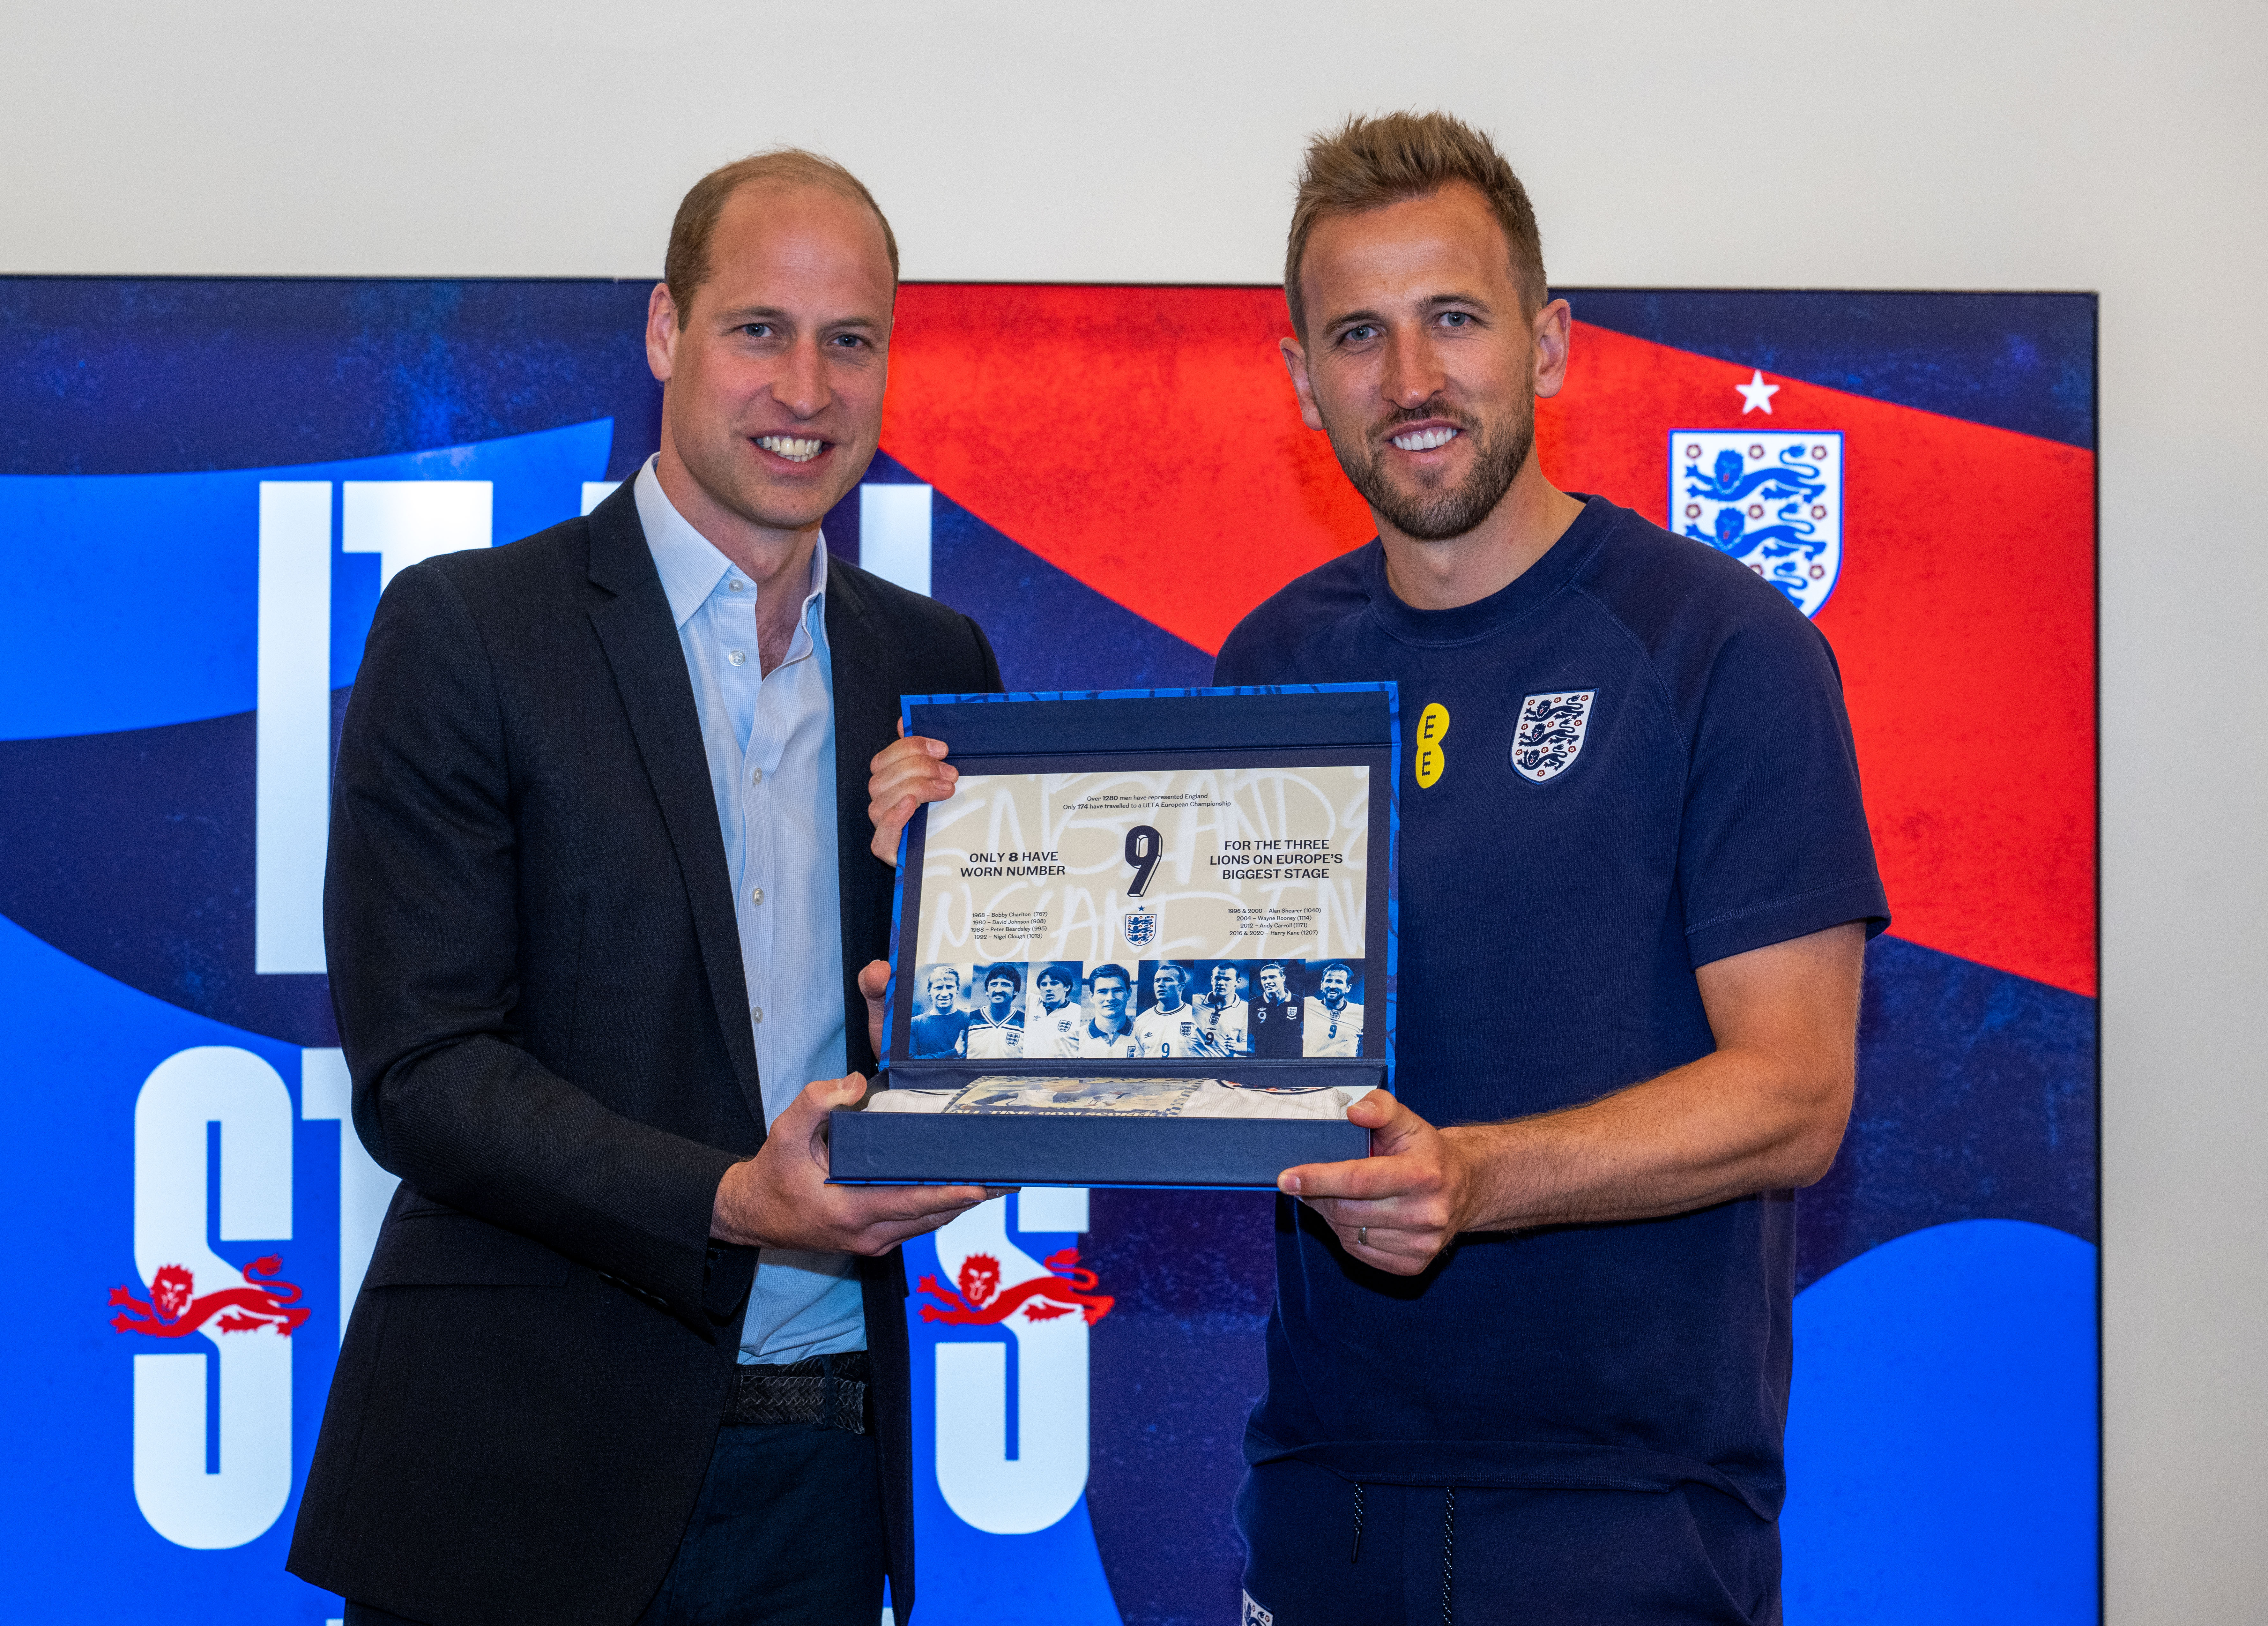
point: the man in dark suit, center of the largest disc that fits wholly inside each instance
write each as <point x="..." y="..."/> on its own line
<point x="599" y="902"/>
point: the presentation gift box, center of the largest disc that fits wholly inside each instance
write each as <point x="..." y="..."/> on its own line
<point x="1148" y="941"/>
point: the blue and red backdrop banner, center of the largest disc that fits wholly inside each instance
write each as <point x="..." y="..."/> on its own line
<point x="204" y="484"/>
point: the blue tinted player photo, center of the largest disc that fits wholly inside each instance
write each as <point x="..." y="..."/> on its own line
<point x="940" y="1027"/>
<point x="1108" y="1031"/>
<point x="1222" y="1006"/>
<point x="1278" y="1016"/>
<point x="1333" y="1022"/>
<point x="1053" y="1015"/>
<point x="995" y="1028"/>
<point x="1169" y="1024"/>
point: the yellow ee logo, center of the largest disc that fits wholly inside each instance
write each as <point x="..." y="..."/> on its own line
<point x="1433" y="724"/>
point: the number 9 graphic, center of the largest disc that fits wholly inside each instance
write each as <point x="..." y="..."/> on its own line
<point x="1143" y="848"/>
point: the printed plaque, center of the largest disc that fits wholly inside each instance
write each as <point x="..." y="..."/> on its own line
<point x="1148" y="940"/>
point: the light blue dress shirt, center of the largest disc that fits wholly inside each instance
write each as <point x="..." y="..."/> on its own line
<point x="770" y="744"/>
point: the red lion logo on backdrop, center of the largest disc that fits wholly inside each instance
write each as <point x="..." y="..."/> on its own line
<point x="981" y="1302"/>
<point x="175" y="1310"/>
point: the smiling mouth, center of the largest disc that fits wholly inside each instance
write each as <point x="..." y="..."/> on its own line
<point x="793" y="448"/>
<point x="1425" y="439"/>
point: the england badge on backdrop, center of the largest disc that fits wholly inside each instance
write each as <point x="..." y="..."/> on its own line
<point x="1140" y="925"/>
<point x="1771" y="499"/>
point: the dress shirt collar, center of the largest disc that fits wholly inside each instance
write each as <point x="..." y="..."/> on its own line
<point x="690" y="563"/>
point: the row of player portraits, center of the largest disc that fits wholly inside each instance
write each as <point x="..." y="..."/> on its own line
<point x="1049" y="1010"/>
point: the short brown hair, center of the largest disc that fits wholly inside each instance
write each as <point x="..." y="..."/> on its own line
<point x="1369" y="163"/>
<point x="686" y="266"/>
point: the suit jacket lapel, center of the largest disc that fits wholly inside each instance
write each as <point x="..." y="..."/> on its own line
<point x="639" y="636"/>
<point x="865" y="720"/>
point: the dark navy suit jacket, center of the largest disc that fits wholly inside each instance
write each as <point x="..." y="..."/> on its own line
<point x="540" y="994"/>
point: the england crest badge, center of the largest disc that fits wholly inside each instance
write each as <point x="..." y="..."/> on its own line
<point x="1771" y="499"/>
<point x="1140" y="925"/>
<point x="1549" y="734"/>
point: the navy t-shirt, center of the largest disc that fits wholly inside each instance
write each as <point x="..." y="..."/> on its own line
<point x="1646" y="766"/>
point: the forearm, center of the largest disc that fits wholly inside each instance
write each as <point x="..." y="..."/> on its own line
<point x="480" y="1125"/>
<point x="781" y="1198"/>
<point x="1763" y="1111"/>
<point x="1736" y="1122"/>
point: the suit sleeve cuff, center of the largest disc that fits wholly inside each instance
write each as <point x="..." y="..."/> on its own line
<point x="731" y="1273"/>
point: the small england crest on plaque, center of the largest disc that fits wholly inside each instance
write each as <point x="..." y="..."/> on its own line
<point x="1771" y="499"/>
<point x="1140" y="925"/>
<point x="1549" y="736"/>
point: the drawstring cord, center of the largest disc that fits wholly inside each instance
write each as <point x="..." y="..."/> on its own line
<point x="1448" y="1548"/>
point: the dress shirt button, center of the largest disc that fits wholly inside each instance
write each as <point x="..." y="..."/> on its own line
<point x="755" y="776"/>
<point x="755" y="894"/>
<point x="738" y="657"/>
<point x="755" y="1013"/>
<point x="737" y="586"/>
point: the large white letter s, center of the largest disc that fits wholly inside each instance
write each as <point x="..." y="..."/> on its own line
<point x="243" y="1094"/>
<point x="974" y="1472"/>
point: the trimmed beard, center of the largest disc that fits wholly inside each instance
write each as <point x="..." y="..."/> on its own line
<point x="1441" y="514"/>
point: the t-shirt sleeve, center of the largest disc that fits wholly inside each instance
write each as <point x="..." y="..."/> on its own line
<point x="1249" y="655"/>
<point x="1774" y="844"/>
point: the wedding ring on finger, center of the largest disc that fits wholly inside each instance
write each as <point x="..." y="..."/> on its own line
<point x="1362" y="1236"/>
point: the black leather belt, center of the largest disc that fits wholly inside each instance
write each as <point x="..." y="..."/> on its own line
<point x="824" y="1392"/>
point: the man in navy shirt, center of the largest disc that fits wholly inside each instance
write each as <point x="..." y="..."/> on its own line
<point x="1275" y="1014"/>
<point x="1529" y="1360"/>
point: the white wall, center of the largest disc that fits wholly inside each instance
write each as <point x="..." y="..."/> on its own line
<point x="2084" y="145"/>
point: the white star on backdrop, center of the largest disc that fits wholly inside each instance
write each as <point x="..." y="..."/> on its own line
<point x="1757" y="394"/>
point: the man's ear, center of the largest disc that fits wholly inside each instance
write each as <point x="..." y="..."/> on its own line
<point x="1295" y="363"/>
<point x="1554" y="331"/>
<point x="661" y="331"/>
